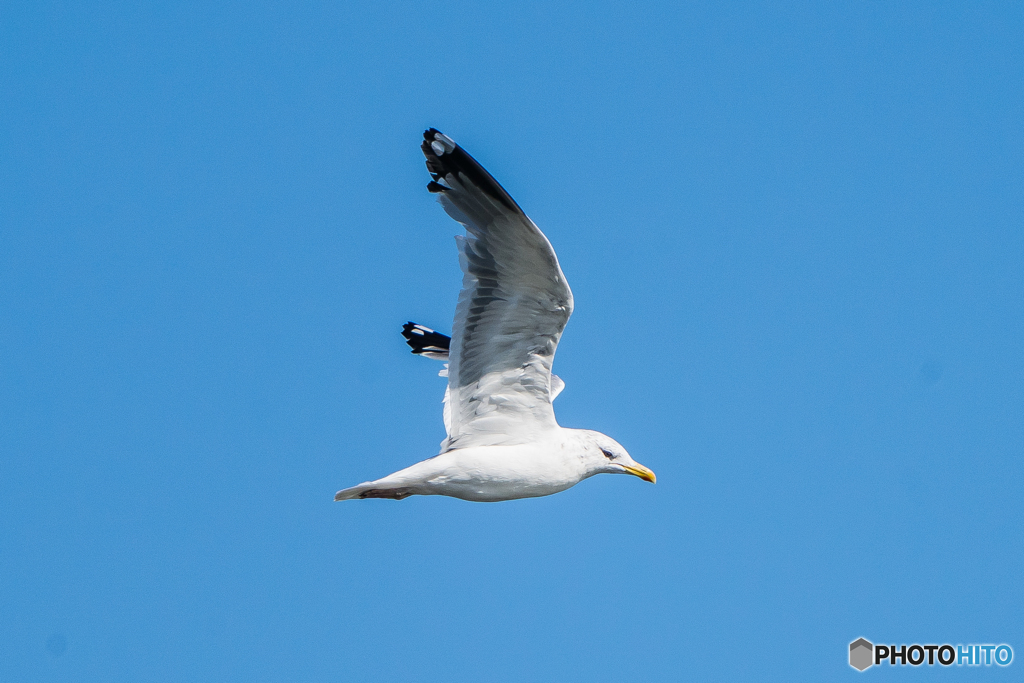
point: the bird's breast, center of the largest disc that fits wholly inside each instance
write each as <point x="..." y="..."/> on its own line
<point x="489" y="473"/>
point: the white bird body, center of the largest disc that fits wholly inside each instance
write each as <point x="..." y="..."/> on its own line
<point x="550" y="464"/>
<point x="503" y="441"/>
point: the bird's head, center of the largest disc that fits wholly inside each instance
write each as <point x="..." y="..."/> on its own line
<point x="605" y="455"/>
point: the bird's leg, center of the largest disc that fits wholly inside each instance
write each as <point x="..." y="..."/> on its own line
<point x="393" y="494"/>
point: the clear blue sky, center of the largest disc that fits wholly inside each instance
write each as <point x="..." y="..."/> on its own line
<point x="794" y="235"/>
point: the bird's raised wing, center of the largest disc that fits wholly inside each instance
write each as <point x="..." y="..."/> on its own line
<point x="513" y="307"/>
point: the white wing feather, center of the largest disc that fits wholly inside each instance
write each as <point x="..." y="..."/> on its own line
<point x="429" y="343"/>
<point x="513" y="307"/>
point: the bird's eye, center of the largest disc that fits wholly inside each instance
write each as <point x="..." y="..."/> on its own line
<point x="607" y="454"/>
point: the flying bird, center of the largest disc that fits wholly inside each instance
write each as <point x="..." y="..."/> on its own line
<point x="503" y="441"/>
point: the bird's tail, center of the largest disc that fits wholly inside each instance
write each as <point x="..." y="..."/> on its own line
<point x="373" y="489"/>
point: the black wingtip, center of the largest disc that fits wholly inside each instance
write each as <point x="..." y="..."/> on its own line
<point x="425" y="341"/>
<point x="444" y="156"/>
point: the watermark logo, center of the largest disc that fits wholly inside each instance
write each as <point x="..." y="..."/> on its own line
<point x="864" y="654"/>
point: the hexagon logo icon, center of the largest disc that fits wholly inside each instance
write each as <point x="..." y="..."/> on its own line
<point x="861" y="654"/>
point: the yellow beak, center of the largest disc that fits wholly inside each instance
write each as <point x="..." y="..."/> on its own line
<point x="640" y="471"/>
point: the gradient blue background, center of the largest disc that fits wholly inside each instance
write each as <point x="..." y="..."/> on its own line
<point x="794" y="234"/>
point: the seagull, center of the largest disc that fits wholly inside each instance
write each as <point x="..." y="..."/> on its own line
<point x="503" y="442"/>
